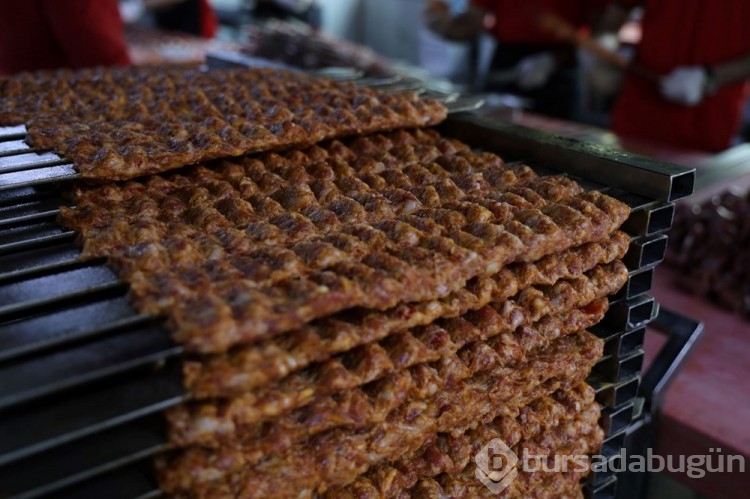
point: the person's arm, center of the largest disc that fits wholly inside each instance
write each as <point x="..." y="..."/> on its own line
<point x="732" y="71"/>
<point x="614" y="17"/>
<point x="90" y="32"/>
<point x="464" y="26"/>
<point x="600" y="59"/>
<point x="159" y="4"/>
<point x="689" y="85"/>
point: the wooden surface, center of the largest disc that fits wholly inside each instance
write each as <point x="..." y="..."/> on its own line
<point x="708" y="405"/>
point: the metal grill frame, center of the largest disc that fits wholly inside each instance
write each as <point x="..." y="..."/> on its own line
<point x="111" y="402"/>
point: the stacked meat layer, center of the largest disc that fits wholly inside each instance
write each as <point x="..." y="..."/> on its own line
<point x="245" y="250"/>
<point x="116" y="124"/>
<point x="363" y="316"/>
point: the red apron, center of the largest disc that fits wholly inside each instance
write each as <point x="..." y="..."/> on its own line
<point x="47" y="34"/>
<point x="685" y="33"/>
<point x="515" y="20"/>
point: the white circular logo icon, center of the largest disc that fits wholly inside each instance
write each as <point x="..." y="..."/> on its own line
<point x="497" y="466"/>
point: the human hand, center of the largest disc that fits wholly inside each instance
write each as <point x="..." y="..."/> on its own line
<point x="533" y="72"/>
<point x="131" y="10"/>
<point x="685" y="85"/>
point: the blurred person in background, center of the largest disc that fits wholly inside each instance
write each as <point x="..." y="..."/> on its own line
<point x="528" y="61"/>
<point x="49" y="34"/>
<point x="699" y="54"/>
<point x="307" y="11"/>
<point x="194" y="17"/>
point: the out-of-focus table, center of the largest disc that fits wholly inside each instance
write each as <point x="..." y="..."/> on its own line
<point x="596" y="135"/>
<point x="708" y="405"/>
<point x="151" y="46"/>
<point x="707" y="409"/>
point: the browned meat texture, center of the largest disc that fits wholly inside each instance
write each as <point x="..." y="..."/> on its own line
<point x="117" y="124"/>
<point x="512" y="329"/>
<point x="571" y="440"/>
<point x="580" y="436"/>
<point x="243" y="442"/>
<point x="250" y="249"/>
<point x="303" y="47"/>
<point x="548" y="426"/>
<point x="557" y="486"/>
<point x="258" y="365"/>
<point x="26" y="96"/>
<point x="336" y="457"/>
<point x="361" y="315"/>
<point x="539" y="428"/>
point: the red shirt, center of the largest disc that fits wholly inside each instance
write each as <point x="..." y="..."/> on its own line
<point x="209" y="21"/>
<point x="515" y="20"/>
<point x="686" y="33"/>
<point x="47" y="34"/>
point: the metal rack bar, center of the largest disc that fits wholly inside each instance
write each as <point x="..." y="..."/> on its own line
<point x="614" y="395"/>
<point x="29" y="218"/>
<point x="31" y="292"/>
<point x="13" y="147"/>
<point x="630" y="341"/>
<point x="134" y="481"/>
<point x="640" y="175"/>
<point x="605" y="490"/>
<point x="12" y="132"/>
<point x="9" y="198"/>
<point x="647" y="216"/>
<point x="656" y="219"/>
<point x="631" y="314"/>
<point x="66" y="261"/>
<point x="29" y="161"/>
<point x="38" y="176"/>
<point x="646" y="251"/>
<point x="463" y="105"/>
<point x="684" y="334"/>
<point x="27" y="207"/>
<point x="54" y="422"/>
<point x="379" y="81"/>
<point x="611" y="448"/>
<point x="43" y="251"/>
<point x="614" y="421"/>
<point x="42" y="241"/>
<point x="616" y="369"/>
<point x="83" y="459"/>
<point x="639" y="282"/>
<point x="102" y="316"/>
<point x="22" y="236"/>
<point x="68" y="366"/>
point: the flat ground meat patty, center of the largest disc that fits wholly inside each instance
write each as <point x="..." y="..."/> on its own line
<point x="246" y="368"/>
<point x="510" y="330"/>
<point x="552" y="421"/>
<point x="485" y="395"/>
<point x="242" y="251"/>
<point x="121" y="123"/>
<point x="211" y="424"/>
